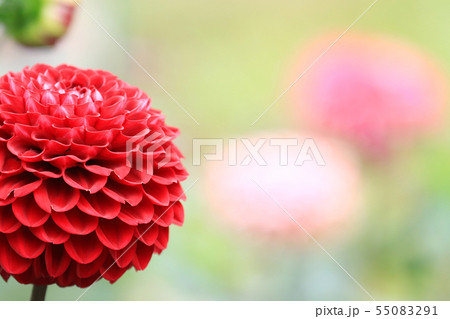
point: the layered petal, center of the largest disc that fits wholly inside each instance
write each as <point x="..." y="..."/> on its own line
<point x="56" y="195"/>
<point x="56" y="260"/>
<point x="25" y="244"/>
<point x="99" y="205"/>
<point x="8" y="222"/>
<point x="114" y="234"/>
<point x="75" y="222"/>
<point x="10" y="261"/>
<point x="28" y="213"/>
<point x="83" y="249"/>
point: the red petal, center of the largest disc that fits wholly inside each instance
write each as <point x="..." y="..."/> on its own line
<point x="28" y="213"/>
<point x="26" y="277"/>
<point x="22" y="184"/>
<point x="86" y="282"/>
<point x="11" y="262"/>
<point x="164" y="215"/>
<point x="9" y="163"/>
<point x="163" y="238"/>
<point x="68" y="277"/>
<point x="84" y="180"/>
<point x="116" y="161"/>
<point x="24" y="148"/>
<point x="141" y="214"/>
<point x="96" y="167"/>
<point x="42" y="169"/>
<point x="89" y="270"/>
<point x="75" y="222"/>
<point x="25" y="244"/>
<point x="8" y="223"/>
<point x="38" y="269"/>
<point x="123" y="193"/>
<point x="164" y="176"/>
<point x="176" y="192"/>
<point x="99" y="205"/>
<point x="110" y="271"/>
<point x="178" y="214"/>
<point x="84" y="249"/>
<point x="147" y="233"/>
<point x="56" y="260"/>
<point x="4" y="275"/>
<point x="143" y="255"/>
<point x="27" y="188"/>
<point x="50" y="233"/>
<point x="57" y="195"/>
<point x="137" y="177"/>
<point x="7" y="201"/>
<point x="114" y="234"/>
<point x="123" y="257"/>
<point x="158" y="194"/>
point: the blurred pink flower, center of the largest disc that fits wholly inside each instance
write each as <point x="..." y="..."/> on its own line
<point x="318" y="197"/>
<point x="375" y="91"/>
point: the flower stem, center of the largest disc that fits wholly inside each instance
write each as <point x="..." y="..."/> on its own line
<point x="38" y="293"/>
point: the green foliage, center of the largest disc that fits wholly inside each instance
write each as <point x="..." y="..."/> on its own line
<point x="17" y="15"/>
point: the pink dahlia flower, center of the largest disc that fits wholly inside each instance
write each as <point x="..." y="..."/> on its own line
<point x="374" y="91"/>
<point x="255" y="198"/>
<point x="73" y="207"/>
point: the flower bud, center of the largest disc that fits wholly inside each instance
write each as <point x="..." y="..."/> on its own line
<point x="37" y="22"/>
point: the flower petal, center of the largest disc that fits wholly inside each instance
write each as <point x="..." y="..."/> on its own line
<point x="8" y="223"/>
<point x="164" y="216"/>
<point x="68" y="278"/>
<point x="142" y="257"/>
<point x="56" y="260"/>
<point x="99" y="205"/>
<point x="82" y="179"/>
<point x="158" y="194"/>
<point x="25" y="244"/>
<point x="10" y="261"/>
<point x="176" y="192"/>
<point x="42" y="169"/>
<point x="124" y="193"/>
<point x="56" y="195"/>
<point x="22" y="184"/>
<point x="28" y="212"/>
<point x="164" y="176"/>
<point x="111" y="271"/>
<point x="75" y="222"/>
<point x="83" y="249"/>
<point x="114" y="234"/>
<point x="147" y="233"/>
<point x="163" y="238"/>
<point x="178" y="213"/>
<point x="124" y="257"/>
<point x="141" y="214"/>
<point x="89" y="270"/>
<point x="50" y="233"/>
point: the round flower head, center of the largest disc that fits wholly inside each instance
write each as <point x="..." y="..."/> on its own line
<point x="37" y="22"/>
<point x="371" y="90"/>
<point x="316" y="182"/>
<point x="89" y="177"/>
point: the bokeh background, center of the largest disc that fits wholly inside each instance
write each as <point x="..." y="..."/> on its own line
<point x="225" y="62"/>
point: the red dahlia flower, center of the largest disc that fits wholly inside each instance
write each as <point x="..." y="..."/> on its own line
<point x="72" y="208"/>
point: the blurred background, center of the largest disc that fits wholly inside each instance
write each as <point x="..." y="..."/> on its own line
<point x="225" y="62"/>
